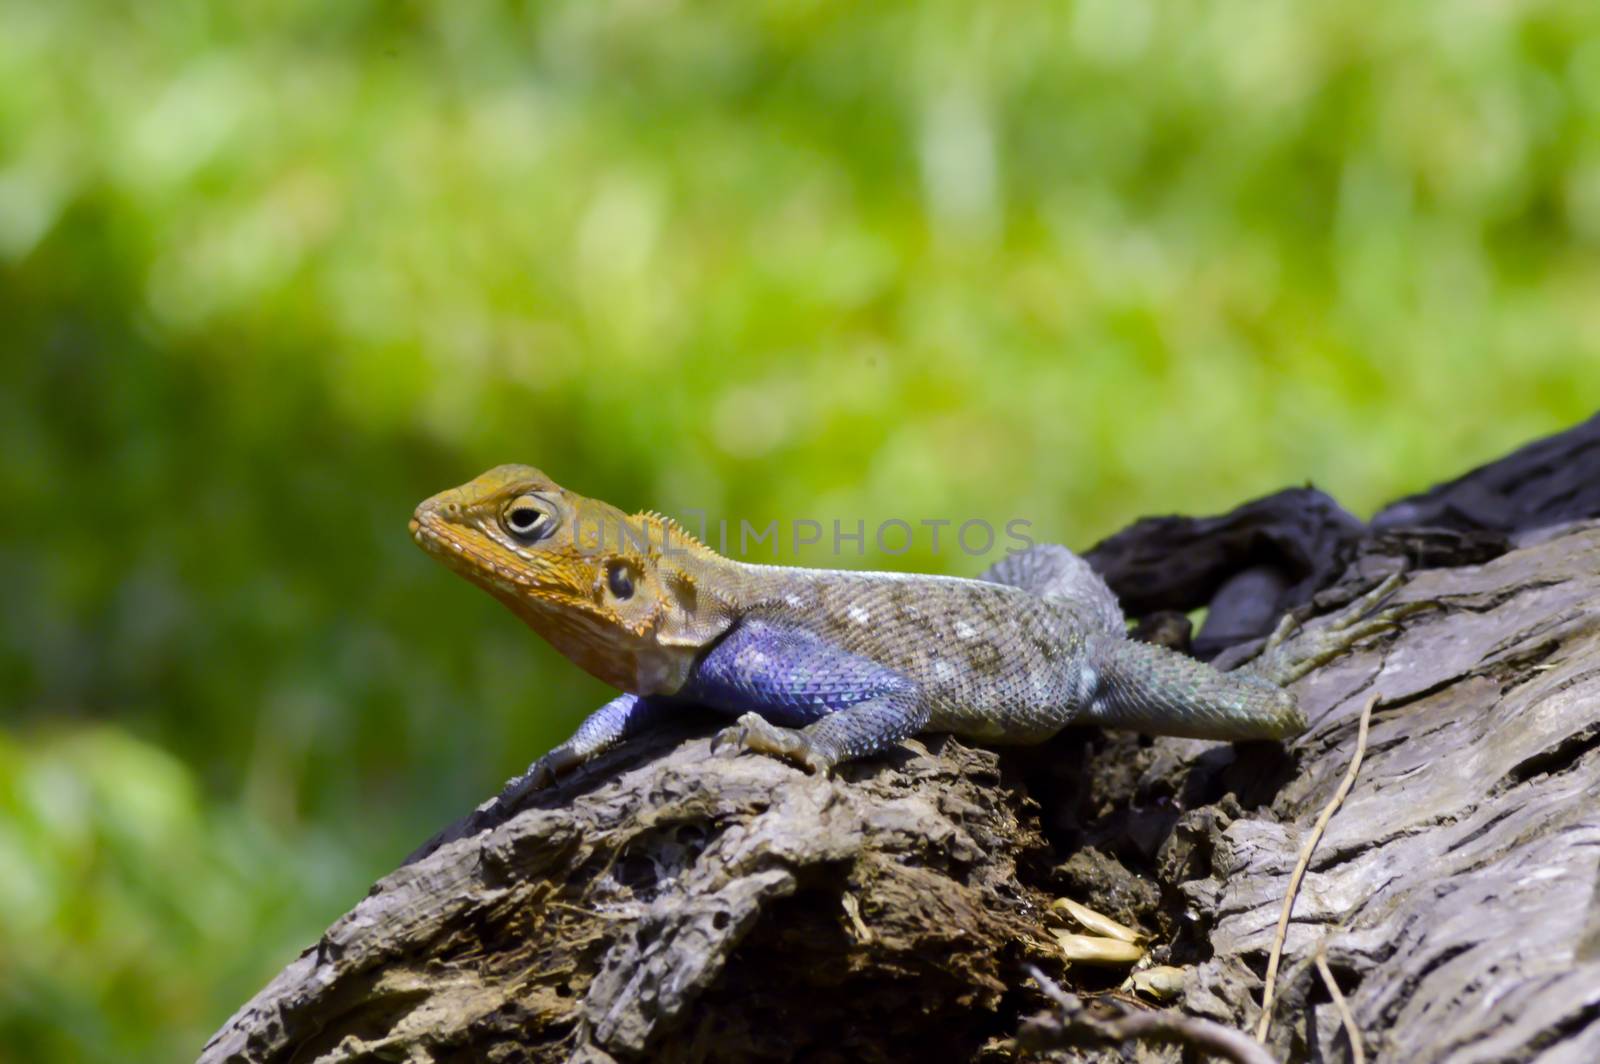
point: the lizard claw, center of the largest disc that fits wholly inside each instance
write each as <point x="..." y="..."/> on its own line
<point x="1354" y="622"/>
<point x="755" y="733"/>
<point x="726" y="742"/>
<point x="1284" y="660"/>
<point x="542" y="773"/>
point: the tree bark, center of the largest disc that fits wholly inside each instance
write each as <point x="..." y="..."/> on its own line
<point x="670" y="904"/>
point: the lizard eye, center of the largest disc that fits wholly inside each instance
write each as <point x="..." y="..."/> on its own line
<point x="527" y="519"/>
<point x="619" y="580"/>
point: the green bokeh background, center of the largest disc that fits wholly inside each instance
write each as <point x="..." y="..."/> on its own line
<point x="271" y="273"/>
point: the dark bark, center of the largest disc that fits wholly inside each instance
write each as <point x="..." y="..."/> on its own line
<point x="1548" y="482"/>
<point x="668" y="904"/>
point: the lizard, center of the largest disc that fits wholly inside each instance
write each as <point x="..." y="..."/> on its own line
<point x="818" y="666"/>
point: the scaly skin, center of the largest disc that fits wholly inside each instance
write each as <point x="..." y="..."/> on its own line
<point x="827" y="666"/>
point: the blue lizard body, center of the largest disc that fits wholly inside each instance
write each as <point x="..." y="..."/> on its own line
<point x="824" y="666"/>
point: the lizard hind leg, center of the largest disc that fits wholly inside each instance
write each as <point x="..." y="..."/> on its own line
<point x="1147" y="688"/>
<point x="1051" y="571"/>
<point x="1287" y="656"/>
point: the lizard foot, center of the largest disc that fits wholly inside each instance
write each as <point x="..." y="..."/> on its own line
<point x="754" y="732"/>
<point x="1284" y="660"/>
<point x="541" y="774"/>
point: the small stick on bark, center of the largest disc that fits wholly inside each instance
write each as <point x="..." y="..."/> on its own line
<point x="1077" y="1027"/>
<point x="1303" y="862"/>
<point x="1351" y="1031"/>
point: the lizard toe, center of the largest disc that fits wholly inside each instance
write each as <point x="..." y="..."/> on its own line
<point x="541" y="775"/>
<point x="755" y="733"/>
<point x="730" y="741"/>
<point x="546" y="771"/>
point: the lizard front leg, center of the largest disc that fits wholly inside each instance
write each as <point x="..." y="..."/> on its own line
<point x="808" y="701"/>
<point x="607" y="726"/>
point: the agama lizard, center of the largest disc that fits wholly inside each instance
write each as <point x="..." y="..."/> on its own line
<point x="825" y="666"/>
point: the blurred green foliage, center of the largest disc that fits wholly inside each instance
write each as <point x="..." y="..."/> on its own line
<point x="271" y="273"/>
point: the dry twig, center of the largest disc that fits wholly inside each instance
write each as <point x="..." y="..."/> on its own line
<point x="1351" y="1031"/>
<point x="1076" y="1027"/>
<point x="1303" y="862"/>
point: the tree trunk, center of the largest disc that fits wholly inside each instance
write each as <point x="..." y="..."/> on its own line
<point x="670" y="904"/>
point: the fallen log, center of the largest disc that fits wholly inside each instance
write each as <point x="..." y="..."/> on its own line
<point x="669" y="904"/>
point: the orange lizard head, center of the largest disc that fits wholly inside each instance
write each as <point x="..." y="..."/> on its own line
<point x="618" y="594"/>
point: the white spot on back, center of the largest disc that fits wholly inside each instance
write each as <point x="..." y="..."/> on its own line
<point x="860" y="615"/>
<point x="1088" y="680"/>
<point x="965" y="630"/>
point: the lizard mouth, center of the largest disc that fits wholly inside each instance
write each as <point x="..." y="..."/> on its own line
<point x="454" y="546"/>
<point x="477" y="556"/>
<point x="432" y="538"/>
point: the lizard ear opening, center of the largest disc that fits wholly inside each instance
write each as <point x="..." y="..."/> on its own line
<point x="692" y="621"/>
<point x="681" y="586"/>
